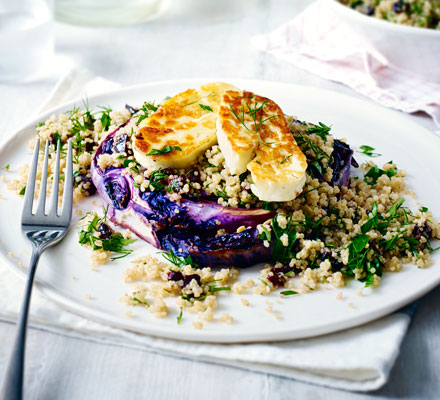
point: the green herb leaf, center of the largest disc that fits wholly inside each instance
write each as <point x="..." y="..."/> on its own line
<point x="359" y="242"/>
<point x="356" y="3"/>
<point x="280" y="252"/>
<point x="136" y="300"/>
<point x="288" y="292"/>
<point x="222" y="194"/>
<point x="163" y="150"/>
<point x="156" y="177"/>
<point x="321" y="130"/>
<point x="177" y="260"/>
<point x="6" y="167"/>
<point x="266" y="234"/>
<point x="285" y="159"/>
<point x="115" y="243"/>
<point x="268" y="205"/>
<point x="206" y="108"/>
<point x="146" y="109"/>
<point x="179" y="317"/>
<point x="394" y="208"/>
<point x="373" y="221"/>
<point x="105" y="117"/>
<point x="368" y="151"/>
<point x="213" y="288"/>
<point x="266" y="283"/>
<point x="22" y="191"/>
<point x="375" y="173"/>
<point x="369" y="280"/>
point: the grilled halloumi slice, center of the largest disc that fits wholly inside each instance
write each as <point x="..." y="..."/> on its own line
<point x="253" y="134"/>
<point x="236" y="133"/>
<point x="181" y="130"/>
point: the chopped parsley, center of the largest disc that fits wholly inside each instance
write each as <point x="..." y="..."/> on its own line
<point x="145" y="110"/>
<point x="316" y="159"/>
<point x="321" y="130"/>
<point x="268" y="205"/>
<point x="280" y="252"/>
<point x="155" y="178"/>
<point x="6" y="167"/>
<point x="163" y="150"/>
<point x="369" y="151"/>
<point x="132" y="164"/>
<point x="179" y="317"/>
<point x="222" y="194"/>
<point x="375" y="173"/>
<point x="22" y="191"/>
<point x="105" y="118"/>
<point x="364" y="257"/>
<point x="266" y="234"/>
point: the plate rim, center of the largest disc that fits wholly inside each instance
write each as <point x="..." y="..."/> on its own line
<point x="211" y="336"/>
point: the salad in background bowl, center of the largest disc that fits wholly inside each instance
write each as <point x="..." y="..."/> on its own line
<point x="407" y="35"/>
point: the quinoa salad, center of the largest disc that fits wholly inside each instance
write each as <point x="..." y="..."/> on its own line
<point x="349" y="221"/>
<point x="419" y="13"/>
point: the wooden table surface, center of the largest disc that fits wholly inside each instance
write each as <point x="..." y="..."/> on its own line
<point x="185" y="43"/>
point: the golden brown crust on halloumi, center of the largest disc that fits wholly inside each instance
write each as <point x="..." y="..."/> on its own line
<point x="279" y="167"/>
<point x="185" y="121"/>
<point x="253" y="135"/>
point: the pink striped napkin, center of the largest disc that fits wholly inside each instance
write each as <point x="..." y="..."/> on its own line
<point x="319" y="42"/>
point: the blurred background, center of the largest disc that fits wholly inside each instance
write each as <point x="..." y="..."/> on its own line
<point x="134" y="41"/>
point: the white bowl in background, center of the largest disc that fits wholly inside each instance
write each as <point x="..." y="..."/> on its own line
<point x="410" y="48"/>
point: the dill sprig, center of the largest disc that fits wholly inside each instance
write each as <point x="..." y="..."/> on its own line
<point x="178" y="261"/>
<point x="114" y="242"/>
<point x="255" y="111"/>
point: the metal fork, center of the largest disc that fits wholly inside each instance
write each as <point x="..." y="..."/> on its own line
<point x="43" y="230"/>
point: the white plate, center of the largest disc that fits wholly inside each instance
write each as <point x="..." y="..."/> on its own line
<point x="412" y="147"/>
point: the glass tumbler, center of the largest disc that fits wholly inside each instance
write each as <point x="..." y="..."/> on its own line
<point x="26" y="38"/>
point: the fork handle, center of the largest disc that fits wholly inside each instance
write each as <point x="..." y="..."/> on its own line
<point x="13" y="383"/>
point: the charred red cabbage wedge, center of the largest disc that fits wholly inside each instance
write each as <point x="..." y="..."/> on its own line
<point x="188" y="228"/>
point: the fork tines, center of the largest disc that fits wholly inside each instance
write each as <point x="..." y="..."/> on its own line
<point x="64" y="216"/>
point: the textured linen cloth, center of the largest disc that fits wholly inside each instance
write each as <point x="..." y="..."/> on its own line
<point x="319" y="42"/>
<point x="355" y="359"/>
